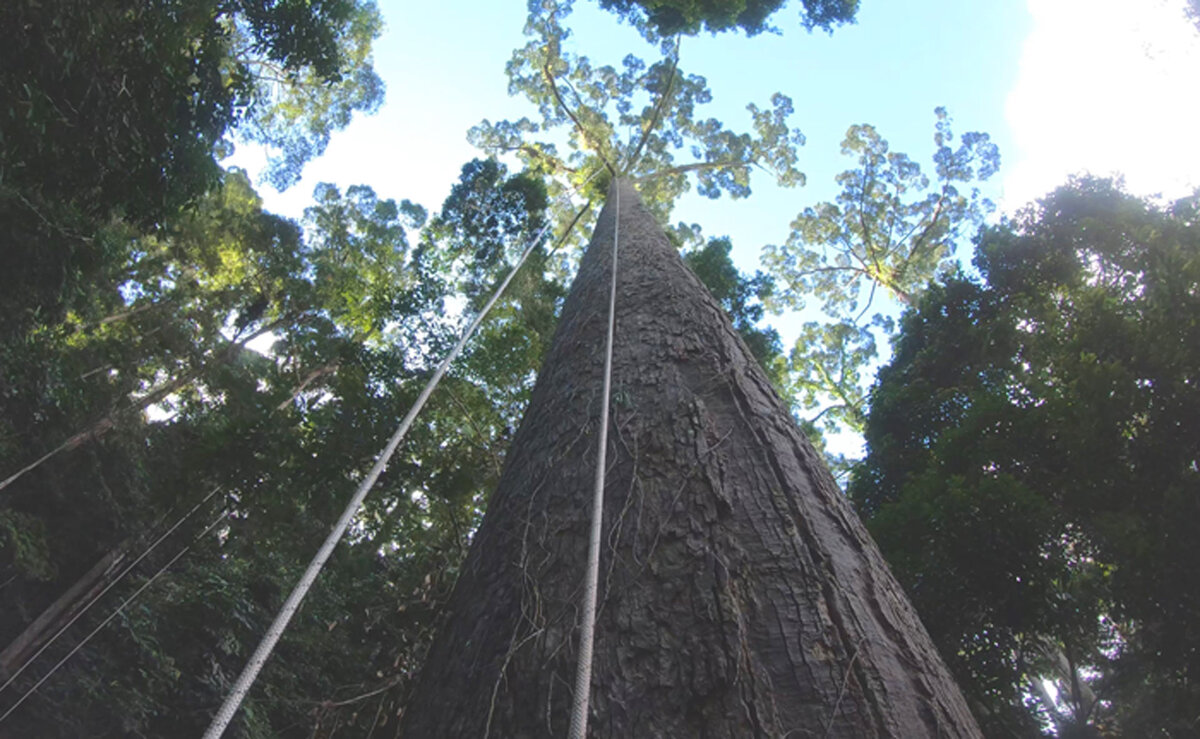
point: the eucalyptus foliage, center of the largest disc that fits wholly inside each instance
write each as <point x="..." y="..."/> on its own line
<point x="890" y="230"/>
<point x="634" y="119"/>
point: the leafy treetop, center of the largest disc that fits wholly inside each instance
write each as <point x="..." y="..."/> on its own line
<point x="118" y="109"/>
<point x="657" y="105"/>
<point x="891" y="229"/>
<point x="669" y="17"/>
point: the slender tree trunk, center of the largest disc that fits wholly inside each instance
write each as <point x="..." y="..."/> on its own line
<point x="162" y="392"/>
<point x="60" y="611"/>
<point x="739" y="593"/>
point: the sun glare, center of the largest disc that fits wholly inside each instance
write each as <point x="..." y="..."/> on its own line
<point x="1106" y="86"/>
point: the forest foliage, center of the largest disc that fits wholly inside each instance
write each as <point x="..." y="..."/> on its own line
<point x="168" y="344"/>
<point x="1032" y="474"/>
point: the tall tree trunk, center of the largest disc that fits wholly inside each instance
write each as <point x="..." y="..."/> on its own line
<point x="739" y="593"/>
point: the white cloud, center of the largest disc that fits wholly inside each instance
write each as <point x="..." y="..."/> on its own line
<point x="1106" y="86"/>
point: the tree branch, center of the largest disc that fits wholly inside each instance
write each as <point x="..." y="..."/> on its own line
<point x="570" y="227"/>
<point x="308" y="380"/>
<point x="828" y="408"/>
<point x="868" y="242"/>
<point x="481" y="440"/>
<point x="919" y="243"/>
<point x="107" y="422"/>
<point x="693" y="167"/>
<point x="549" y="77"/>
<point x="870" y="300"/>
<point x="658" y="109"/>
<point x="533" y="151"/>
<point x="391" y="683"/>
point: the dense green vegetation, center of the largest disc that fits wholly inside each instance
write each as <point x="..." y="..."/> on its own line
<point x="1032" y="471"/>
<point x="136" y="272"/>
<point x="1032" y="475"/>
<point x="669" y="17"/>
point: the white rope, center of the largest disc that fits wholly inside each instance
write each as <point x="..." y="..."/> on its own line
<point x="221" y="721"/>
<point x="107" y="588"/>
<point x="587" y="626"/>
<point x="111" y="616"/>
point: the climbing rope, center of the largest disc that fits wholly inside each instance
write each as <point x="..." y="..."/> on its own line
<point x="221" y="721"/>
<point x="587" y="624"/>
<point x="98" y="596"/>
<point x="114" y="614"/>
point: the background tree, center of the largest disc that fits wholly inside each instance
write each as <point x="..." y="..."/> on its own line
<point x="887" y="232"/>
<point x="118" y="112"/>
<point x="669" y="17"/>
<point x="1032" y="470"/>
<point x="355" y="315"/>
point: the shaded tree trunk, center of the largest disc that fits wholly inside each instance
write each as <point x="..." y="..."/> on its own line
<point x="739" y="593"/>
<point x="62" y="610"/>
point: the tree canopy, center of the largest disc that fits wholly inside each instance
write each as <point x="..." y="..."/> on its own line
<point x="670" y="17"/>
<point x="116" y="116"/>
<point x="888" y="233"/>
<point x="1032" y="473"/>
<point x="112" y="108"/>
<point x="586" y="108"/>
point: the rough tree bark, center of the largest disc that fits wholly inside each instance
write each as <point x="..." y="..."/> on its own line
<point x="740" y="595"/>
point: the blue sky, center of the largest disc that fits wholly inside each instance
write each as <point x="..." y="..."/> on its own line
<point x="444" y="66"/>
<point x="1062" y="86"/>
